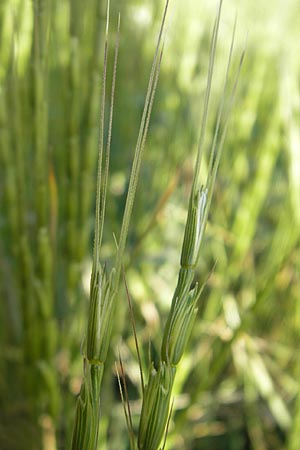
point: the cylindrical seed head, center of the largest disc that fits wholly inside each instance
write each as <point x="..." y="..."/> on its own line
<point x="194" y="228"/>
<point x="179" y="327"/>
<point x="155" y="409"/>
<point x="100" y="316"/>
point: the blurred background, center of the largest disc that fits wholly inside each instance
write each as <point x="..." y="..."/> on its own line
<point x="237" y="387"/>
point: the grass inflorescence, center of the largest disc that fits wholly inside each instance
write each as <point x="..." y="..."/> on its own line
<point x="222" y="368"/>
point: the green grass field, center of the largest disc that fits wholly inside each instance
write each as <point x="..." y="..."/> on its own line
<point x="237" y="381"/>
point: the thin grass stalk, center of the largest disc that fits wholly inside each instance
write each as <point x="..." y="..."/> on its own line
<point x="104" y="286"/>
<point x="109" y="136"/>
<point x="15" y="137"/>
<point x="197" y="203"/>
<point x="86" y="426"/>
<point x="157" y="394"/>
<point x="10" y="226"/>
<point x="126" y="402"/>
<point x="40" y="30"/>
<point x="42" y="277"/>
<point x="100" y="212"/>
<point x="17" y="206"/>
<point x="206" y="100"/>
<point x="134" y="333"/>
<point x="20" y="236"/>
<point x="74" y="150"/>
<point x="8" y="180"/>
<point x="126" y="409"/>
<point x="140" y="146"/>
<point x="17" y="140"/>
<point x="224" y="111"/>
<point x="89" y="155"/>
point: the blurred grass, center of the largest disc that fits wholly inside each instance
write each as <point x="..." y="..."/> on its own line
<point x="239" y="386"/>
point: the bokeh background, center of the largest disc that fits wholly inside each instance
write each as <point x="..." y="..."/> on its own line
<point x="238" y="384"/>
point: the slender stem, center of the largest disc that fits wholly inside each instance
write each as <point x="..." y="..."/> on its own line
<point x="140" y="147"/>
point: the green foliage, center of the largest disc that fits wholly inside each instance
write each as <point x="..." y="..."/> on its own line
<point x="237" y="382"/>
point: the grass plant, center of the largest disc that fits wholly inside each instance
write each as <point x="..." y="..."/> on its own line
<point x="158" y="391"/>
<point x="104" y="284"/>
<point x="222" y="372"/>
